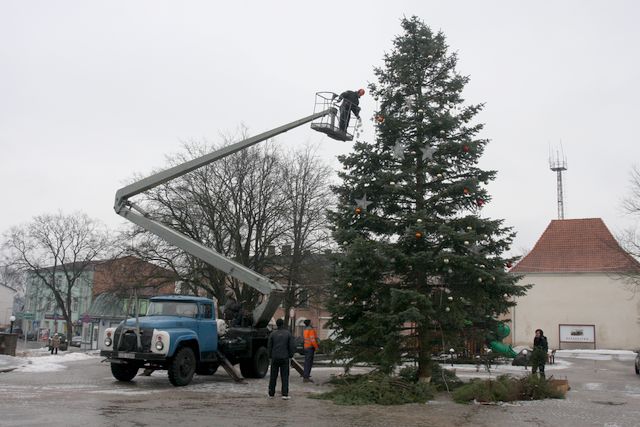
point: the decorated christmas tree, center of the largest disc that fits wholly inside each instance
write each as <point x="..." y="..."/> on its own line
<point x="420" y="267"/>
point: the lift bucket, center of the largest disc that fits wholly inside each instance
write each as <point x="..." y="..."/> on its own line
<point x="331" y="124"/>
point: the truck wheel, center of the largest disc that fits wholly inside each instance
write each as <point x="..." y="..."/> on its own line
<point x="207" y="368"/>
<point x="257" y="366"/>
<point x="123" y="371"/>
<point x="182" y="367"/>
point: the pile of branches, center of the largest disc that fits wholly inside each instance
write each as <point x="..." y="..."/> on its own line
<point x="507" y="388"/>
<point x="377" y="388"/>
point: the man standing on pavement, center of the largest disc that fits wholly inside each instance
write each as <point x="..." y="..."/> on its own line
<point x="310" y="347"/>
<point x="281" y="348"/>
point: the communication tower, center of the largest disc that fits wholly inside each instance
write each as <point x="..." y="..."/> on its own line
<point x="558" y="164"/>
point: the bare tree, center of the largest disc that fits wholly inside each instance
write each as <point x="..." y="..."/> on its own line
<point x="234" y="206"/>
<point x="240" y="206"/>
<point x="630" y="238"/>
<point x="56" y="251"/>
<point x="308" y="195"/>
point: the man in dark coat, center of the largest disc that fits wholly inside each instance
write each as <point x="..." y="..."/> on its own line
<point x="350" y="100"/>
<point x="539" y="354"/>
<point x="281" y="347"/>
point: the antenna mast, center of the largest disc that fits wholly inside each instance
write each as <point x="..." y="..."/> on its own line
<point x="558" y="165"/>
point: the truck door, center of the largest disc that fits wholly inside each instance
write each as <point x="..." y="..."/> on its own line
<point x="207" y="331"/>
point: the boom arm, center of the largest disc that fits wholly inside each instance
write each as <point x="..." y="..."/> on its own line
<point x="124" y="207"/>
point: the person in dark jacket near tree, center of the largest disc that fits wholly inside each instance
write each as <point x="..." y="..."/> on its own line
<point x="350" y="100"/>
<point x="281" y="347"/>
<point x="539" y="354"/>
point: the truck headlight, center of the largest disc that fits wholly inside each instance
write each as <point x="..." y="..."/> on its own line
<point x="160" y="342"/>
<point x="108" y="333"/>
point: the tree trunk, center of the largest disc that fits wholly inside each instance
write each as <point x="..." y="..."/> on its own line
<point x="424" y="354"/>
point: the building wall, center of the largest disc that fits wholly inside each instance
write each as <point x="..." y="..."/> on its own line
<point x="40" y="301"/>
<point x="578" y="298"/>
<point x="6" y="304"/>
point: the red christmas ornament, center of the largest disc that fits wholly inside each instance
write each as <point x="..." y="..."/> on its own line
<point x="480" y="202"/>
<point x="465" y="190"/>
<point x="380" y="119"/>
<point x="418" y="235"/>
<point x="465" y="148"/>
<point x="358" y="210"/>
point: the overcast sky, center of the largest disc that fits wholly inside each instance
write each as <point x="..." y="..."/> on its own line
<point x="92" y="92"/>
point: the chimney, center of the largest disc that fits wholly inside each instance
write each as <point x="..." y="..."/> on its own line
<point x="271" y="250"/>
<point x="286" y="250"/>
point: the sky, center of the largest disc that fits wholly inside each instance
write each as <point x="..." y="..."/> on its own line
<point x="92" y="93"/>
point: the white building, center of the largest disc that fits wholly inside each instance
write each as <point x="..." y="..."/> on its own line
<point x="581" y="297"/>
<point x="6" y="304"/>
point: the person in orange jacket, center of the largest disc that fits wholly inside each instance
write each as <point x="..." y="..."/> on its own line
<point x="310" y="347"/>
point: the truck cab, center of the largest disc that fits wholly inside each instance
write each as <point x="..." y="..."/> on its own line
<point x="181" y="334"/>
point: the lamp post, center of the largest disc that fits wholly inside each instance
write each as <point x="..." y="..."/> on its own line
<point x="12" y="319"/>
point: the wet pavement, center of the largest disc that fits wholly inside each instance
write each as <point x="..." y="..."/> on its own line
<point x="81" y="392"/>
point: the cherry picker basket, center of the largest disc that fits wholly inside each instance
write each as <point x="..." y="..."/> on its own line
<point x="330" y="124"/>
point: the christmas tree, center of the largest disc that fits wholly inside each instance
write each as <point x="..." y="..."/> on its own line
<point x="419" y="267"/>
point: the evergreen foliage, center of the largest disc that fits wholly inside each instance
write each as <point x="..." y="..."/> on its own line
<point x="506" y="388"/>
<point x="377" y="388"/>
<point x="419" y="264"/>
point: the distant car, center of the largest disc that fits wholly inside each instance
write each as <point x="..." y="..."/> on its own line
<point x="637" y="363"/>
<point x="76" y="341"/>
<point x="64" y="344"/>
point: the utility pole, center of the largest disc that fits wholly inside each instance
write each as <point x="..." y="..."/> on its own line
<point x="558" y="165"/>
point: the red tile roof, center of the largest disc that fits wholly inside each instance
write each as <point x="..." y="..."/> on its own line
<point x="577" y="245"/>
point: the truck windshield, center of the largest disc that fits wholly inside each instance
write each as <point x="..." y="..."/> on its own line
<point x="172" y="308"/>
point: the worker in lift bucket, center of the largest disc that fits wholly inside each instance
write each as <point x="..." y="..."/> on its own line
<point x="350" y="100"/>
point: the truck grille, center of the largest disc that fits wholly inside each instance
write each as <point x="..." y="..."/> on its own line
<point x="128" y="341"/>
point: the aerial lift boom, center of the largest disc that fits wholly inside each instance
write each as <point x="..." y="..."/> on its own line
<point x="124" y="207"/>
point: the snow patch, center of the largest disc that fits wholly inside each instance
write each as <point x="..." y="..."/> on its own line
<point x="42" y="361"/>
<point x="593" y="386"/>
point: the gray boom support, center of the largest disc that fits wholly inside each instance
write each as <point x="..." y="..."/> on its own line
<point x="272" y="290"/>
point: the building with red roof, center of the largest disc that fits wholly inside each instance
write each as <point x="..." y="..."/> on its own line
<point x="581" y="295"/>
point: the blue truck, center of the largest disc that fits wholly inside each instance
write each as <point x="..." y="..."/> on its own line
<point x="180" y="333"/>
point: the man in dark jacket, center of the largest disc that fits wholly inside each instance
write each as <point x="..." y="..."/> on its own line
<point x="539" y="354"/>
<point x="350" y="100"/>
<point x="281" y="347"/>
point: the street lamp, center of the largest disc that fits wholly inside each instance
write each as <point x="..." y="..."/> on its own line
<point x="12" y="319"/>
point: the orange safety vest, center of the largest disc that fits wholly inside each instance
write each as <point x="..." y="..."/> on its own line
<point x="310" y="338"/>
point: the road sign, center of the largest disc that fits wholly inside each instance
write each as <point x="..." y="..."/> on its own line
<point x="26" y="316"/>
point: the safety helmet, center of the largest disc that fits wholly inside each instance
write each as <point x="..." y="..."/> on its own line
<point x="360" y="92"/>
